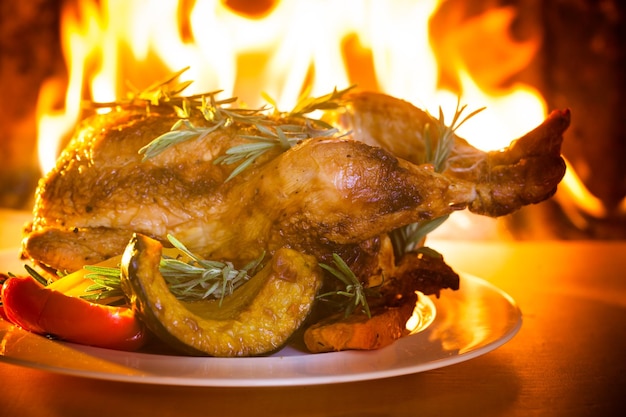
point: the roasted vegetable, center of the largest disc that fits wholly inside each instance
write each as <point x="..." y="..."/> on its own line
<point x="237" y="184"/>
<point x="360" y="331"/>
<point x="258" y="318"/>
<point x="46" y="311"/>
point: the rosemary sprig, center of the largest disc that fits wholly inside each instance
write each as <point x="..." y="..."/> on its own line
<point x="410" y="237"/>
<point x="281" y="137"/>
<point x="259" y="144"/>
<point x="213" y="112"/>
<point x="106" y="283"/>
<point x="189" y="279"/>
<point x="183" y="130"/>
<point x="307" y="104"/>
<point x="161" y="92"/>
<point x="218" y="114"/>
<point x="438" y="141"/>
<point x="198" y="279"/>
<point x="284" y="136"/>
<point x="439" y="137"/>
<point x="354" y="290"/>
<point x="36" y="275"/>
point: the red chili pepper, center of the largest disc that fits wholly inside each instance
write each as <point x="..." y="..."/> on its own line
<point x="41" y="310"/>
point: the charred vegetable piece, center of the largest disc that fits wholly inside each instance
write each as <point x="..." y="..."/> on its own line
<point x="258" y="318"/>
<point x="45" y="311"/>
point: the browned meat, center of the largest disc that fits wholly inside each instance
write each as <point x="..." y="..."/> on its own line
<point x="321" y="196"/>
<point x="525" y="173"/>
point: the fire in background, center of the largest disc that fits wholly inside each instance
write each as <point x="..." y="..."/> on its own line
<point x="579" y="65"/>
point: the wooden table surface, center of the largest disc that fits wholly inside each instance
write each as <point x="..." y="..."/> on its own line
<point x="568" y="359"/>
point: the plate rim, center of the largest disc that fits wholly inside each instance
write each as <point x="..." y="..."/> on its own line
<point x="124" y="373"/>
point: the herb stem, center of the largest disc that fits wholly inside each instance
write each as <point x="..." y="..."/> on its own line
<point x="353" y="288"/>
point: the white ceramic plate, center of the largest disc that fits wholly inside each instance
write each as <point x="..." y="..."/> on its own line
<point x="468" y="323"/>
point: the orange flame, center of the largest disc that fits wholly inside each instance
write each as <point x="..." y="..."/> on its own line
<point x="324" y="44"/>
<point x="384" y="46"/>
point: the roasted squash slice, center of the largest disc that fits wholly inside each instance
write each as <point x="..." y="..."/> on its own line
<point x="358" y="331"/>
<point x="258" y="318"/>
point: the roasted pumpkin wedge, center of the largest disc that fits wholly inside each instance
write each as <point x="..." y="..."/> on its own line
<point x="258" y="318"/>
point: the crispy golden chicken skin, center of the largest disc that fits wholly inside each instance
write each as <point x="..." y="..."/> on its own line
<point x="527" y="172"/>
<point x="323" y="196"/>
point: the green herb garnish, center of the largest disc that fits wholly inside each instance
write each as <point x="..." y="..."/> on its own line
<point x="439" y="138"/>
<point x="438" y="141"/>
<point x="189" y="279"/>
<point x="198" y="278"/>
<point x="218" y="114"/>
<point x="36" y="275"/>
<point x="353" y="290"/>
<point x="106" y="285"/>
<point x="285" y="136"/>
<point x="162" y="92"/>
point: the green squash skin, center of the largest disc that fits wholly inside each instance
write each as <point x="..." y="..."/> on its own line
<point x="257" y="319"/>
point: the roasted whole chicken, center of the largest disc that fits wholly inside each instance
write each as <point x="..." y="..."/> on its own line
<point x="342" y="194"/>
<point x="322" y="195"/>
